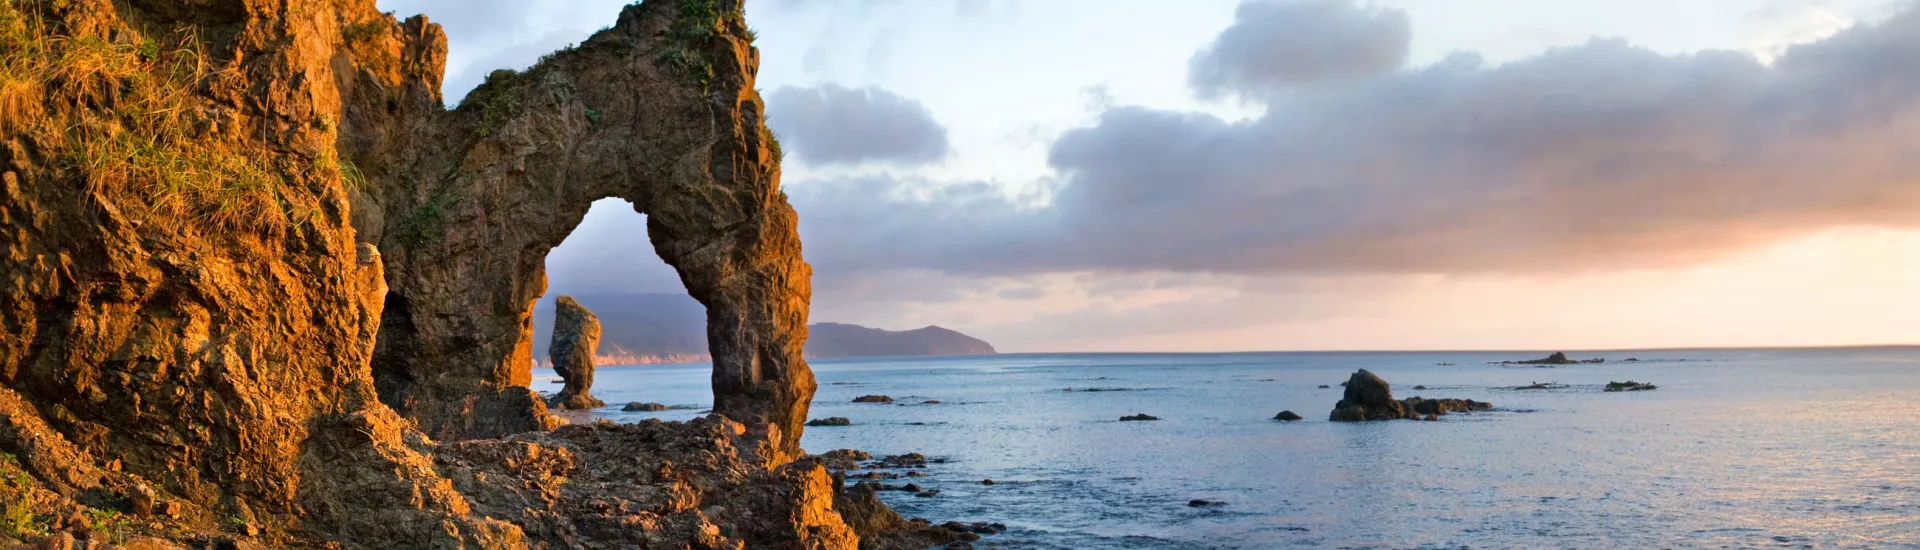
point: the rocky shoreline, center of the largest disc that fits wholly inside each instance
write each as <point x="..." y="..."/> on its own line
<point x="298" y="315"/>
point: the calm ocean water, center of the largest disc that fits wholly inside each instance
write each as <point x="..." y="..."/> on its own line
<point x="1738" y="448"/>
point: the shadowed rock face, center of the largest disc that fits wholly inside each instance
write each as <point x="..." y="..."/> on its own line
<point x="576" y="334"/>
<point x="658" y="110"/>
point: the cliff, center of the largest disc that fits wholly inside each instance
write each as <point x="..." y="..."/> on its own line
<point x="241" y="235"/>
<point x="649" y="328"/>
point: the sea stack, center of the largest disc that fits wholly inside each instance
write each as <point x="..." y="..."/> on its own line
<point x="576" y="334"/>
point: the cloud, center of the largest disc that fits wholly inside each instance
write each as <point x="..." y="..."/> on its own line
<point x="1592" y="157"/>
<point x="1277" y="45"/>
<point x="832" y="124"/>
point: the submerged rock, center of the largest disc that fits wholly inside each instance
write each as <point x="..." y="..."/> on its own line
<point x="842" y="459"/>
<point x="1199" y="503"/>
<point x="1370" y="398"/>
<point x="873" y="399"/>
<point x="1138" y="417"/>
<point x="644" y="407"/>
<point x="881" y="527"/>
<point x="1630" y="386"/>
<point x="576" y="336"/>
<point x="1286" y="415"/>
<point x="909" y="460"/>
<point x="830" y="421"/>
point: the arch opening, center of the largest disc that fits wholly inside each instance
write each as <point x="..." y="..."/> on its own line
<point x="646" y="317"/>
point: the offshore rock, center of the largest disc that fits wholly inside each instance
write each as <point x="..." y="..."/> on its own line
<point x="1367" y="397"/>
<point x="576" y="336"/>
<point x="1370" y="398"/>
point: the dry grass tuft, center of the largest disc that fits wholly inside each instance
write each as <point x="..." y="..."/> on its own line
<point x="124" y="120"/>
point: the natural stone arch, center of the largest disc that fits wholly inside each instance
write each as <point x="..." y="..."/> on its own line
<point x="658" y="110"/>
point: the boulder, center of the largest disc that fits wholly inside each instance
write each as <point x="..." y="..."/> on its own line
<point x="576" y="336"/>
<point x="909" y="460"/>
<point x="1370" y="398"/>
<point x="830" y="421"/>
<point x="644" y="407"/>
<point x="842" y="459"/>
<point x="873" y="399"/>
<point x="1367" y="397"/>
<point x="1286" y="415"/>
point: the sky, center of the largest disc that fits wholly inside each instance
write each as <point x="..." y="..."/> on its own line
<point x="1119" y="175"/>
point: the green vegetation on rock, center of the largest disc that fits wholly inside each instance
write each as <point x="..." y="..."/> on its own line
<point x="143" y="142"/>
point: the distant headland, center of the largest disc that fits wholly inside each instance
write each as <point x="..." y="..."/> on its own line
<point x="663" y="328"/>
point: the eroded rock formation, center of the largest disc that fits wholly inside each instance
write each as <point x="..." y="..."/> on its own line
<point x="659" y="110"/>
<point x="187" y="311"/>
<point x="232" y="230"/>
<point x="576" y="337"/>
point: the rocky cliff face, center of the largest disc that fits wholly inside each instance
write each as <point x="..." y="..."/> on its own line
<point x="188" y="313"/>
<point x="201" y="334"/>
<point x="576" y="334"/>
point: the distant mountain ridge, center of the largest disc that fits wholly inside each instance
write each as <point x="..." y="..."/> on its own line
<point x="653" y="328"/>
<point x="844" y="340"/>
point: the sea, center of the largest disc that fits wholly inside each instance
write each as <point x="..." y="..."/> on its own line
<point x="1737" y="448"/>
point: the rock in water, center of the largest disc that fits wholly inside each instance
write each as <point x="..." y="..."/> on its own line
<point x="576" y="335"/>
<point x="637" y="406"/>
<point x="830" y="421"/>
<point x="1370" y="398"/>
<point x="1286" y="415"/>
<point x="1630" y="386"/>
<point x="1367" y="398"/>
<point x="1138" y="417"/>
<point x="873" y="399"/>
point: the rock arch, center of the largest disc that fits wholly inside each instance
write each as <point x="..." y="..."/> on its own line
<point x="659" y="110"/>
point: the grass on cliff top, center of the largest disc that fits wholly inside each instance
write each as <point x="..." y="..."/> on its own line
<point x="123" y="119"/>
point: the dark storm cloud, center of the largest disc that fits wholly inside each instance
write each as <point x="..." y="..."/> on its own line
<point x="833" y="124"/>
<point x="1598" y="156"/>
<point x="1274" y="45"/>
